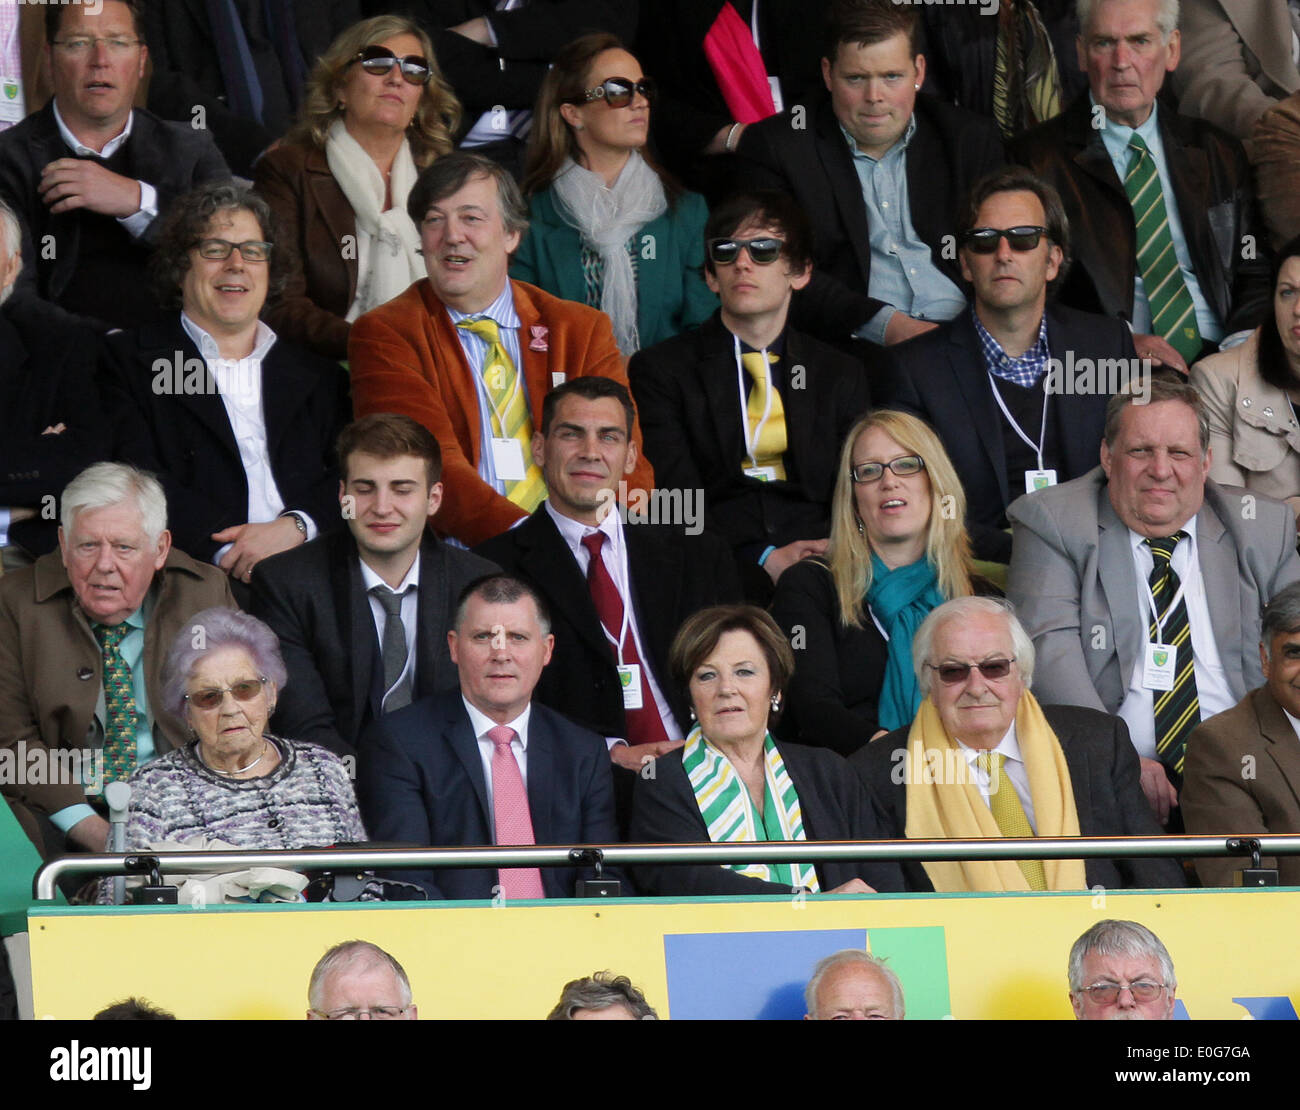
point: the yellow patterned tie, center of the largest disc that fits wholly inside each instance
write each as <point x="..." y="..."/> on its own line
<point x="510" y="417"/>
<point x="768" y="436"/>
<point x="1004" y="804"/>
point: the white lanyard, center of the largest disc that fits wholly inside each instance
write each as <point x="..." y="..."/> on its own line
<point x="750" y="442"/>
<point x="617" y="645"/>
<point x="753" y="26"/>
<point x="1151" y="597"/>
<point x="1042" y="431"/>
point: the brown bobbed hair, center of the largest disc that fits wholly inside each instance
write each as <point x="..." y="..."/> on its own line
<point x="552" y="139"/>
<point x="700" y="633"/>
<point x="437" y="113"/>
<point x="947" y="546"/>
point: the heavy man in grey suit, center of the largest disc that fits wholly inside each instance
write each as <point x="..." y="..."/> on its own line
<point x="1148" y="530"/>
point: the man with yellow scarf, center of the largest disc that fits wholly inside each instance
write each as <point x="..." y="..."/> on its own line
<point x="983" y="759"/>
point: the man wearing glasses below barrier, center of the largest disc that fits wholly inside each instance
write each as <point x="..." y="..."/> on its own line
<point x="747" y="408"/>
<point x="1015" y="387"/>
<point x="359" y="981"/>
<point x="1119" y="971"/>
<point x="88" y="175"/>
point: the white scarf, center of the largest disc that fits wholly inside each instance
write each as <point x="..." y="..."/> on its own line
<point x="394" y="260"/>
<point x="606" y="219"/>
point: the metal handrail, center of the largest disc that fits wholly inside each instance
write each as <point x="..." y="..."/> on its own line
<point x="617" y="855"/>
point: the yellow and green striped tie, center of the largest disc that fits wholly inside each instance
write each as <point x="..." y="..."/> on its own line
<point x="509" y="416"/>
<point x="1004" y="804"/>
<point x="768" y="436"/>
<point x="1177" y="711"/>
<point x="1173" y="315"/>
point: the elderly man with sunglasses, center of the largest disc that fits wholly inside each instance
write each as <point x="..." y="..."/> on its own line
<point x="1003" y="384"/>
<point x="984" y="759"/>
<point x="745" y="407"/>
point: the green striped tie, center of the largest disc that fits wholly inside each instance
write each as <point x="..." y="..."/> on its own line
<point x="1177" y="711"/>
<point x="1173" y="315"/>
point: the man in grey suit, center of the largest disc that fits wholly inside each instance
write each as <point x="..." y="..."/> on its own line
<point x="1142" y="583"/>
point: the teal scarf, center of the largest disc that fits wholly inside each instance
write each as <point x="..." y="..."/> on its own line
<point x="901" y="599"/>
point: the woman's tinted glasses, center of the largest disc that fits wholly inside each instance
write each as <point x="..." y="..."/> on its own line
<point x="617" y="92"/>
<point x="764" y="251"/>
<point x="952" y="673"/>
<point x="984" y="240"/>
<point x="379" y="60"/>
<point x="903" y="466"/>
<point x="213" y="697"/>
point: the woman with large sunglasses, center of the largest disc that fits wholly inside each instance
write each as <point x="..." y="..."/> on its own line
<point x="376" y="112"/>
<point x="608" y="227"/>
<point x="898" y="548"/>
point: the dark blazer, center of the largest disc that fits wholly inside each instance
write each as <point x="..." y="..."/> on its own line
<point x="1215" y="198"/>
<point x="187" y="72"/>
<point x="171" y="157"/>
<point x="951" y="149"/>
<point x="834" y="806"/>
<point x="314" y="217"/>
<point x="941" y="377"/>
<point x="185" y="437"/>
<point x="673" y="576"/>
<point x="46" y="379"/>
<point x="686" y="396"/>
<point x="1104" y="774"/>
<point x="421" y="782"/>
<point x="314" y="599"/>
<point x="1219" y="799"/>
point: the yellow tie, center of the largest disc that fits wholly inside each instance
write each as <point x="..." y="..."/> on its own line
<point x="509" y="416"/>
<point x="768" y="436"/>
<point x="1004" y="804"/>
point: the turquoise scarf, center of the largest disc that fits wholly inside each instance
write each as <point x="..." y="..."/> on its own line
<point x="901" y="599"/>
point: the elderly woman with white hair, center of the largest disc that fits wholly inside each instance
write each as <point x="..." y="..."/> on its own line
<point x="236" y="781"/>
<point x="984" y="759"/>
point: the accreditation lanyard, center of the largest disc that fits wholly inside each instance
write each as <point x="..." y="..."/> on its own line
<point x="1160" y="660"/>
<point x="773" y="83"/>
<point x="1173" y="605"/>
<point x="617" y="645"/>
<point x="1043" y="430"/>
<point x="750" y="442"/>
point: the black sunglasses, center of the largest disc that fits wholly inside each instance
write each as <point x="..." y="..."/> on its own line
<point x="952" y="673"/>
<point x="764" y="251"/>
<point x="984" y="240"/>
<point x="617" y="92"/>
<point x="378" y="60"/>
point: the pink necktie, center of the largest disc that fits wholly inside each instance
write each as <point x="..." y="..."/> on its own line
<point x="514" y="825"/>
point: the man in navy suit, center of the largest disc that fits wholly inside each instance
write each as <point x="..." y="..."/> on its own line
<point x="486" y="765"/>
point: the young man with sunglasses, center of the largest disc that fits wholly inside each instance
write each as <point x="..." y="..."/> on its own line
<point x="745" y="407"/>
<point x="984" y="759"/>
<point x="88" y="175"/>
<point x="993" y="381"/>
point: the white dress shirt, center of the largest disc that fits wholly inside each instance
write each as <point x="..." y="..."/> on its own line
<point x="409" y="588"/>
<point x="1013" y="767"/>
<point x="138" y="222"/>
<point x="1138" y="709"/>
<point x="614" y="554"/>
<point x="481" y="723"/>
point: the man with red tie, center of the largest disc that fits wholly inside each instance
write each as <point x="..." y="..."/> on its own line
<point x="619" y="588"/>
<point x="485" y="765"/>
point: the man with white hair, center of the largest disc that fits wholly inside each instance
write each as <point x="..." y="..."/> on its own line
<point x="852" y="985"/>
<point x="51" y="426"/>
<point x="984" y="759"/>
<point x="83" y="636"/>
<point x="359" y="981"/>
<point x="1120" y="971"/>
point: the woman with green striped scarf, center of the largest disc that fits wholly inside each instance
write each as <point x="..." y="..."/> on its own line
<point x="734" y="782"/>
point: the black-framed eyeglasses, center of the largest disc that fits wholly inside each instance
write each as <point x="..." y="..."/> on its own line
<point x="952" y="673"/>
<point x="903" y="466"/>
<point x="356" y="1013"/>
<point x="984" y="240"/>
<point x="764" y="251"/>
<point x="252" y="250"/>
<point x="1107" y="994"/>
<point x="214" y="696"/>
<point x="378" y="60"/>
<point x="617" y="92"/>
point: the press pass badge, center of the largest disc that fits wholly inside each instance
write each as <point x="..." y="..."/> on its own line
<point x="629" y="677"/>
<point x="12" y="108"/>
<point x="508" y="459"/>
<point x="1039" y="479"/>
<point x="762" y="473"/>
<point x="1158" y="667"/>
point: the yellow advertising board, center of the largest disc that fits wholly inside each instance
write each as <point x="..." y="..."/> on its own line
<point x="965" y="956"/>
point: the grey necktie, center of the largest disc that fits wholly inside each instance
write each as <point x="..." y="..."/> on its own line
<point x="394" y="646"/>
